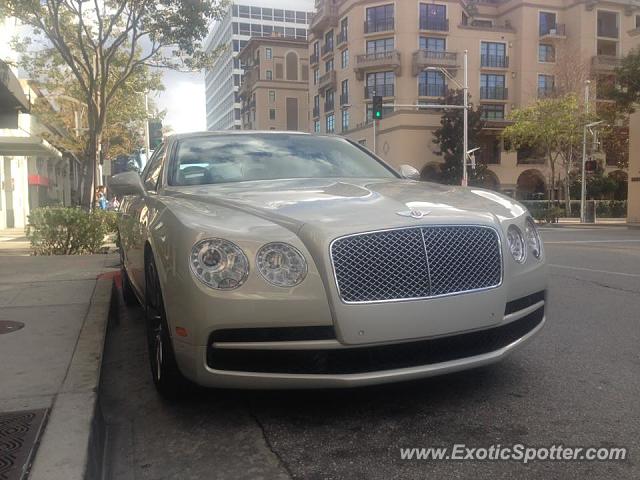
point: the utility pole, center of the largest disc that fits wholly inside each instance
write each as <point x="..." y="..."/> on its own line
<point x="465" y="135"/>
<point x="583" y="186"/>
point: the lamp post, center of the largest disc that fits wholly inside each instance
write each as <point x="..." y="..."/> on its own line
<point x="465" y="113"/>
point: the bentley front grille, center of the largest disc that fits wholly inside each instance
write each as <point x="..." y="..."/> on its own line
<point x="416" y="262"/>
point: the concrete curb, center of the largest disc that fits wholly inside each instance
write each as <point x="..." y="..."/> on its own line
<point x="72" y="447"/>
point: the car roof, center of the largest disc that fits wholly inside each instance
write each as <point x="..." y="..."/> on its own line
<point x="179" y="136"/>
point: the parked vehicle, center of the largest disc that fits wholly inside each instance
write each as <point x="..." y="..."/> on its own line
<point x="287" y="260"/>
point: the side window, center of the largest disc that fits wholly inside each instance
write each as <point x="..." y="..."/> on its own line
<point x="151" y="174"/>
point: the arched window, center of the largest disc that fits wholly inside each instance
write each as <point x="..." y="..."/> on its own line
<point x="292" y="66"/>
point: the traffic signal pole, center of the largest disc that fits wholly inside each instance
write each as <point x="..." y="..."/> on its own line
<point x="465" y="135"/>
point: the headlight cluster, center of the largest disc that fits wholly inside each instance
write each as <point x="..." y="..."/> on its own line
<point x="519" y="244"/>
<point x="222" y="265"/>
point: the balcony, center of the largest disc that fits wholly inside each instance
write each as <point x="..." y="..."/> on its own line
<point x="326" y="16"/>
<point x="328" y="107"/>
<point x="314" y="59"/>
<point x="555" y="32"/>
<point x="494" y="93"/>
<point x="494" y="61"/>
<point x="375" y="61"/>
<point x="344" y="99"/>
<point x="384" y="90"/>
<point x="605" y="63"/>
<point x="326" y="49"/>
<point x="342" y="37"/>
<point x="432" y="58"/>
<point x="316" y="112"/>
<point x="434" y="24"/>
<point x="327" y="81"/>
<point x="379" y="25"/>
<point x="432" y="90"/>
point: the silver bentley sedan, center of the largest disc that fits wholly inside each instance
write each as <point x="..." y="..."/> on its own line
<point x="287" y="260"/>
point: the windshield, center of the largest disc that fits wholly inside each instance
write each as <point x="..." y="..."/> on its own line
<point x="214" y="159"/>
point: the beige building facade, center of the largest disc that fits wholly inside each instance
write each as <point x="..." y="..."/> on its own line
<point x="517" y="51"/>
<point x="274" y="91"/>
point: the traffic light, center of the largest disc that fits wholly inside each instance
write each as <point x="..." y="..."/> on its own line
<point x="377" y="107"/>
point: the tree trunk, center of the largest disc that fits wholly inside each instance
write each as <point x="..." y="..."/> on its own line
<point x="567" y="191"/>
<point x="90" y="171"/>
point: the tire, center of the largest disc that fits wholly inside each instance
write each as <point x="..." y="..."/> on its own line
<point x="166" y="375"/>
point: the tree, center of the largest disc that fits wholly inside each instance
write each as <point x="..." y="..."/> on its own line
<point x="626" y="88"/>
<point x="62" y="104"/>
<point x="104" y="42"/>
<point x="449" y="139"/>
<point x="553" y="125"/>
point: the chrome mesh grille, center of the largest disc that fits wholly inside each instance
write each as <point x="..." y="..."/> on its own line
<point x="418" y="262"/>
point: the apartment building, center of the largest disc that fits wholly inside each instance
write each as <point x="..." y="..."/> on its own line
<point x="411" y="52"/>
<point x="245" y="19"/>
<point x="275" y="88"/>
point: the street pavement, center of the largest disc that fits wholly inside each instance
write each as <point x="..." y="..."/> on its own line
<point x="575" y="384"/>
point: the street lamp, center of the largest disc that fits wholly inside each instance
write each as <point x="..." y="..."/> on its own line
<point x="465" y="118"/>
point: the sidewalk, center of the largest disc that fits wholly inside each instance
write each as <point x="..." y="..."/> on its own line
<point x="53" y="318"/>
<point x="13" y="242"/>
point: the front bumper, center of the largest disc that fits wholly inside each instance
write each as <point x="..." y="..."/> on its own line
<point x="324" y="362"/>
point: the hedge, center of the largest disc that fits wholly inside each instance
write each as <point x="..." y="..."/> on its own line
<point x="68" y="231"/>
<point x="543" y="210"/>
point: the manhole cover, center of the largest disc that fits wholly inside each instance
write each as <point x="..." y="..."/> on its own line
<point x="7" y="326"/>
<point x="19" y="432"/>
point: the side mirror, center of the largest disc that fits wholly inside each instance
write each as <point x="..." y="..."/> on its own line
<point x="126" y="183"/>
<point x="409" y="172"/>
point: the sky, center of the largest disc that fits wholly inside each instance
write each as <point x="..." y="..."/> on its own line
<point x="184" y="101"/>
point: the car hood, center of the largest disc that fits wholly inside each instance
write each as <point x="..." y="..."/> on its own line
<point x="350" y="205"/>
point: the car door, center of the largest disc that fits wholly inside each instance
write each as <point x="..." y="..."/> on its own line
<point x="141" y="212"/>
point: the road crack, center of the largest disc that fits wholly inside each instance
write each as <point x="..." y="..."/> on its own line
<point x="270" y="446"/>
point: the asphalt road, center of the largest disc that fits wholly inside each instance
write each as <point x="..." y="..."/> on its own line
<point x="577" y="383"/>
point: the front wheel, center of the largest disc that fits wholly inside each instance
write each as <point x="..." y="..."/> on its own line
<point x="166" y="375"/>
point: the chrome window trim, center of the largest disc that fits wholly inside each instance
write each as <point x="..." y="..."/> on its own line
<point x="413" y="299"/>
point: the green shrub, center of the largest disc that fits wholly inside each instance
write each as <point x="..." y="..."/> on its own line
<point x="68" y="231"/>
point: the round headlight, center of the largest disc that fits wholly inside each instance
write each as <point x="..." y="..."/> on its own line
<point x="516" y="244"/>
<point x="219" y="264"/>
<point x="281" y="264"/>
<point x="533" y="238"/>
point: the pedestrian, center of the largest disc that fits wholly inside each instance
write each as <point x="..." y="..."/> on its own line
<point x="115" y="204"/>
<point x="102" y="198"/>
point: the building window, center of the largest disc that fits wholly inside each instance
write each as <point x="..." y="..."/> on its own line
<point x="492" y="87"/>
<point x="272" y="114"/>
<point x="493" y="54"/>
<point x="381" y="45"/>
<point x="379" y="19"/>
<point x="291" y="62"/>
<point x="637" y="21"/>
<point x="316" y="106"/>
<point x="607" y="24"/>
<point x="331" y="123"/>
<point x="433" y="17"/>
<point x="329" y="100"/>
<point x="316" y="75"/>
<point x="344" y="92"/>
<point x="546" y="22"/>
<point x="328" y="42"/>
<point x="546" y="53"/>
<point x="490" y="149"/>
<point x="278" y="15"/>
<point x="269" y="75"/>
<point x="268" y="53"/>
<point x="345" y="120"/>
<point x="381" y="84"/>
<point x="344" y="28"/>
<point x="344" y="62"/>
<point x="272" y="96"/>
<point x="244" y="11"/>
<point x="328" y="65"/>
<point x="431" y="84"/>
<point x="545" y="85"/>
<point x="492" y="112"/>
<point x="316" y="49"/>
<point x="432" y="44"/>
<point x="316" y="126"/>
